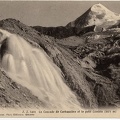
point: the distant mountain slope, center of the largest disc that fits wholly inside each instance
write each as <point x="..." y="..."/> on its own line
<point x="63" y="32"/>
<point x="56" y="32"/>
<point x="96" y="15"/>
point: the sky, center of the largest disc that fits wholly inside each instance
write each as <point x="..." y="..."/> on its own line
<point x="49" y="13"/>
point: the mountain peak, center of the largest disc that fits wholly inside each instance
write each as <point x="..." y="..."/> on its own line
<point x="97" y="15"/>
<point x="98" y="6"/>
<point x="101" y="9"/>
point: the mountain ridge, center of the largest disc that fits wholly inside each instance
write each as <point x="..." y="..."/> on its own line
<point x="96" y="16"/>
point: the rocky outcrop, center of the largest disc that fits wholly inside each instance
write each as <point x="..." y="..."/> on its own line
<point x="13" y="95"/>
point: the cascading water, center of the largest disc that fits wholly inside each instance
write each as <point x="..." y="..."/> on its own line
<point x="33" y="69"/>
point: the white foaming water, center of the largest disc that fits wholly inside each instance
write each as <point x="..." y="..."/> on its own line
<point x="32" y="68"/>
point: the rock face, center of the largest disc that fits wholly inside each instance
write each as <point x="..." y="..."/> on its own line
<point x="13" y="95"/>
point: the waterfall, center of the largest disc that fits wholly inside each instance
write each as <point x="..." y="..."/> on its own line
<point x="32" y="68"/>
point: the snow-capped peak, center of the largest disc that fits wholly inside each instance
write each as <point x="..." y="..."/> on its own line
<point x="98" y="7"/>
<point x="98" y="14"/>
